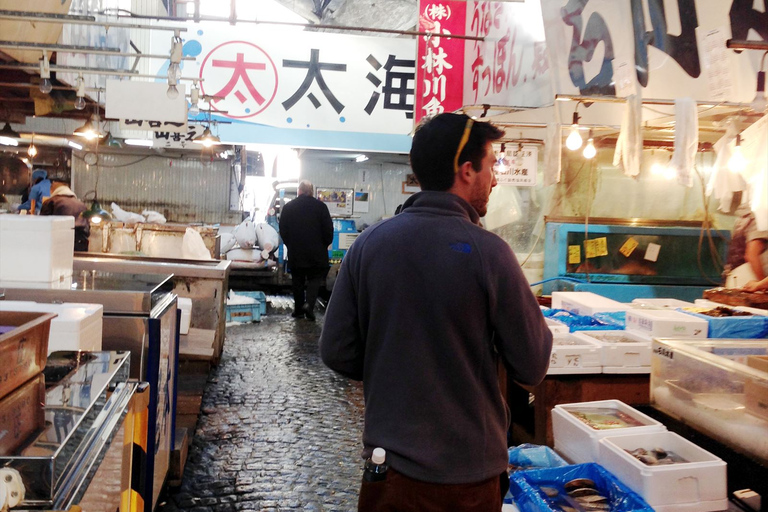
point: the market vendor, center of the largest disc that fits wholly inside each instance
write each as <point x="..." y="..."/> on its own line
<point x="41" y="188"/>
<point x="64" y="202"/>
<point x="748" y="250"/>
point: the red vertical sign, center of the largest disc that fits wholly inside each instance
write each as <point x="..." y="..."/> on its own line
<point x="440" y="63"/>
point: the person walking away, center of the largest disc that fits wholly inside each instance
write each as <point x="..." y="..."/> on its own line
<point x="425" y="304"/>
<point x="64" y="202"/>
<point x="41" y="188"/>
<point x="307" y="230"/>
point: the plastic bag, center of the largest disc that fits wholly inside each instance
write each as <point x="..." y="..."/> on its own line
<point x="579" y="322"/>
<point x="226" y="242"/>
<point x="525" y="487"/>
<point x="126" y="216"/>
<point x="267" y="237"/>
<point x="245" y="233"/>
<point x="535" y="456"/>
<point x="193" y="247"/>
<point x="154" y="217"/>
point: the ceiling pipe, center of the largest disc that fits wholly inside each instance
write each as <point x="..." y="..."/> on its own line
<point x="74" y="19"/>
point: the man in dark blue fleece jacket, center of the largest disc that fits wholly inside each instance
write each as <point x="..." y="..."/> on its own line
<point x="424" y="305"/>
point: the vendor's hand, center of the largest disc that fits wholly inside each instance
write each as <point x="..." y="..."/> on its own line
<point x="754" y="286"/>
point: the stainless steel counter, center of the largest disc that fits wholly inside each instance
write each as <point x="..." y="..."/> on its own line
<point x="85" y="401"/>
<point x="119" y="293"/>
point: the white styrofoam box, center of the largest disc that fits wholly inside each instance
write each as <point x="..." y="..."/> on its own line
<point x="185" y="305"/>
<point x="621" y="348"/>
<point x="586" y="303"/>
<point x="36" y="248"/>
<point x="572" y="354"/>
<point x="664" y="323"/>
<point x="579" y="441"/>
<point x="699" y="484"/>
<point x="656" y="303"/>
<point x="557" y="327"/>
<point x="77" y="326"/>
<point x="65" y="283"/>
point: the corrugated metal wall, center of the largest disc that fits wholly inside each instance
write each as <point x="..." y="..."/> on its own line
<point x="184" y="190"/>
<point x="383" y="182"/>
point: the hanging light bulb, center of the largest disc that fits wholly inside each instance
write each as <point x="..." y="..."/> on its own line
<point x="45" y="74"/>
<point x="760" y="102"/>
<point x="502" y="164"/>
<point x="32" y="150"/>
<point x="738" y="162"/>
<point x="80" y="100"/>
<point x="590" y="151"/>
<point x="194" y="96"/>
<point x="574" y="140"/>
<point x="207" y="139"/>
<point x="172" y="92"/>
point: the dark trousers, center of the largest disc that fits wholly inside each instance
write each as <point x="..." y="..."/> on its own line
<point x="399" y="493"/>
<point x="312" y="279"/>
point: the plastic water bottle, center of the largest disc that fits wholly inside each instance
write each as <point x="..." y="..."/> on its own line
<point x="376" y="466"/>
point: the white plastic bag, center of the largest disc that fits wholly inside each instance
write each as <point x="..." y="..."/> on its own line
<point x="154" y="217"/>
<point x="126" y="216"/>
<point x="267" y="237"/>
<point x="193" y="247"/>
<point x="245" y="233"/>
<point x="226" y="242"/>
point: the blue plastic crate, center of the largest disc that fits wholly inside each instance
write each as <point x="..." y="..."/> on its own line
<point x="244" y="313"/>
<point x="260" y="296"/>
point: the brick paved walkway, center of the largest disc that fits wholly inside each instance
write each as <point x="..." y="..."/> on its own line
<point x="279" y="430"/>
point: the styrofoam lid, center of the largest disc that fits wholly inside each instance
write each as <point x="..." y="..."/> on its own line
<point x="73" y="317"/>
<point x="36" y="222"/>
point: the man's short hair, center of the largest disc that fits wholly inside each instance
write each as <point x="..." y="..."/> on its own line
<point x="59" y="179"/>
<point x="305" y="188"/>
<point x="436" y="141"/>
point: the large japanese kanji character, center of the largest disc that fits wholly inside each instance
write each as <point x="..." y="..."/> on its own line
<point x="744" y="17"/>
<point x="682" y="48"/>
<point x="395" y="85"/>
<point x="314" y="68"/>
<point x="240" y="71"/>
<point x="583" y="49"/>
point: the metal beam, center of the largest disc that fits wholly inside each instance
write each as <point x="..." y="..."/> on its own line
<point x="72" y="19"/>
<point x="91" y="71"/>
<point x="93" y="50"/>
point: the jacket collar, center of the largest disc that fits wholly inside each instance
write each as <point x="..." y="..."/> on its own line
<point x="63" y="191"/>
<point x="445" y="201"/>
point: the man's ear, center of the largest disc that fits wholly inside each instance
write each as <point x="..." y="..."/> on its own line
<point x="466" y="172"/>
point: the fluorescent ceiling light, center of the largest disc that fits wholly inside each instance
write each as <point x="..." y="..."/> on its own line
<point x="139" y="142"/>
<point x="361" y="158"/>
<point x="7" y="141"/>
<point x="74" y="145"/>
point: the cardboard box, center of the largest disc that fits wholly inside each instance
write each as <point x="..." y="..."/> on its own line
<point x="758" y="363"/>
<point x="24" y="348"/>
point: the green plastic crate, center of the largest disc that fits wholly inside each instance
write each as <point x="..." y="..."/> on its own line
<point x="244" y="313"/>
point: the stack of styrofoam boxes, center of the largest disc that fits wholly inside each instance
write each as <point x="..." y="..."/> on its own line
<point x="586" y="303"/>
<point x="36" y="251"/>
<point x="573" y="355"/>
<point x="698" y="484"/>
<point x="77" y="326"/>
<point x="621" y="351"/>
<point x="658" y="303"/>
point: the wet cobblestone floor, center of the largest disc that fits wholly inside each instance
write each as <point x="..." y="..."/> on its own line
<point x="278" y="429"/>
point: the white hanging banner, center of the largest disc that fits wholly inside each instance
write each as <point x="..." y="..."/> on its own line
<point x="144" y="101"/>
<point x="315" y="81"/>
<point x="510" y="66"/>
<point x="668" y="49"/>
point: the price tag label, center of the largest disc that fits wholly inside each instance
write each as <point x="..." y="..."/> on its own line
<point x="573" y="361"/>
<point x="652" y="253"/>
<point x="596" y="247"/>
<point x="574" y="254"/>
<point x="629" y="246"/>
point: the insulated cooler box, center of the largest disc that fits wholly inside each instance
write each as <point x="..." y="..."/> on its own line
<point x="77" y="326"/>
<point x="35" y="248"/>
